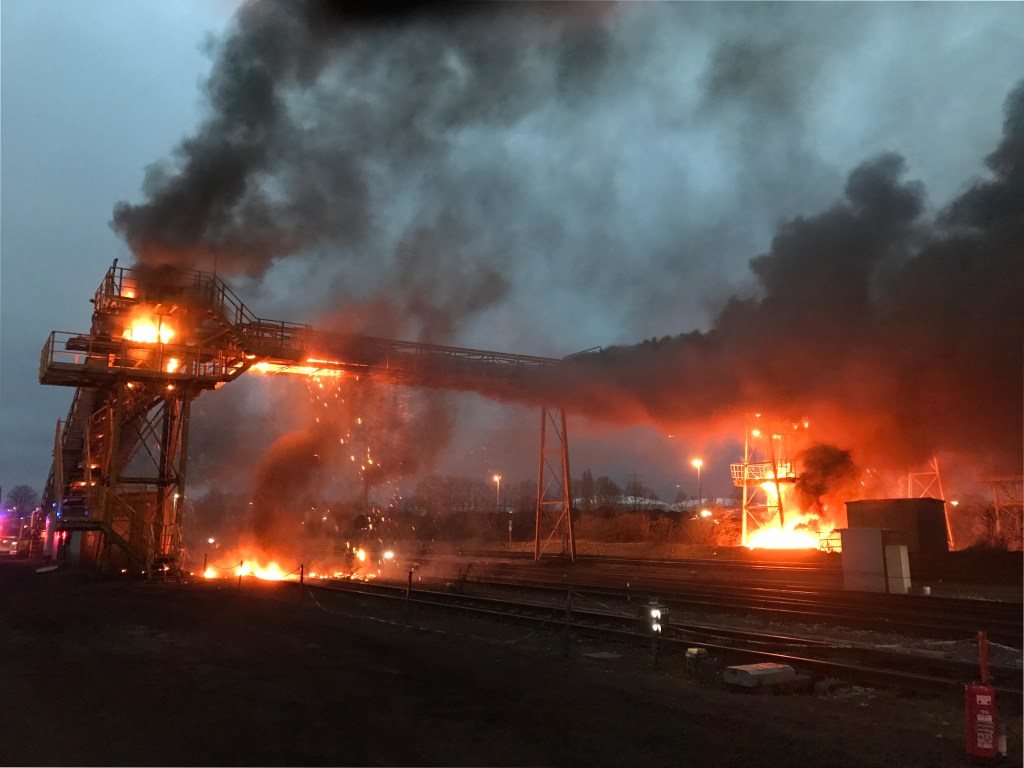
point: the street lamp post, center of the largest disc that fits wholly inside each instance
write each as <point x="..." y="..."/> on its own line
<point x="698" y="463"/>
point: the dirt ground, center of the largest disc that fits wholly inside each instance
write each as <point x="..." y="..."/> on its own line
<point x="107" y="672"/>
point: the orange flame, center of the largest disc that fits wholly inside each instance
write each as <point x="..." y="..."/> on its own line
<point x="250" y="563"/>
<point x="298" y="370"/>
<point x="783" y="538"/>
<point x="146" y="331"/>
<point x="801" y="531"/>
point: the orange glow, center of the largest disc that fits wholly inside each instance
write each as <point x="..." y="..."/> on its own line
<point x="790" y="537"/>
<point x="297" y="370"/>
<point x="801" y="531"/>
<point x="234" y="563"/>
<point x="145" y="331"/>
<point x="272" y="572"/>
<point x="173" y="364"/>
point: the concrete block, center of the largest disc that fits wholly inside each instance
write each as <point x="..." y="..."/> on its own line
<point x="758" y="675"/>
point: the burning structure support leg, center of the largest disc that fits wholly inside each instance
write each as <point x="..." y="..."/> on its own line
<point x="186" y="413"/>
<point x="135" y="451"/>
<point x="165" y="479"/>
<point x="170" y="480"/>
<point x="116" y="411"/>
<point x="546" y="475"/>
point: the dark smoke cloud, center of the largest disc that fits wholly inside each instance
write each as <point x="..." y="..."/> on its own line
<point x="213" y="202"/>
<point x="318" y="108"/>
<point x="828" y="476"/>
<point x="422" y="172"/>
<point x="905" y="336"/>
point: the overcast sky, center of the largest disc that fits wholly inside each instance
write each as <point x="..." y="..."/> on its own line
<point x="539" y="179"/>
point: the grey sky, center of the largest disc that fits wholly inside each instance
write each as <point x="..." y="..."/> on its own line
<point x="604" y="178"/>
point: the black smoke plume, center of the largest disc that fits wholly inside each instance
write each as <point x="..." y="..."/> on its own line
<point x="828" y="475"/>
<point x="898" y="333"/>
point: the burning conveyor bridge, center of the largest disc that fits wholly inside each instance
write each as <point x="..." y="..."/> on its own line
<point x="159" y="338"/>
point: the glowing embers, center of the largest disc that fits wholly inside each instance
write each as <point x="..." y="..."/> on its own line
<point x="298" y="370"/>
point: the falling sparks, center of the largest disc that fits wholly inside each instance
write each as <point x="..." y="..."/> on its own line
<point x="265" y="366"/>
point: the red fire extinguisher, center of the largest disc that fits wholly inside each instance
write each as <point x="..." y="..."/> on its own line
<point x="981" y="719"/>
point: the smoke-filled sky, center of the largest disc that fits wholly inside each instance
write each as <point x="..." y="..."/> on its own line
<point x="830" y="194"/>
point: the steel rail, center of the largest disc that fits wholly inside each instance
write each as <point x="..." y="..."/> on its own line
<point x="945" y="618"/>
<point x="856" y="663"/>
<point x="954" y="621"/>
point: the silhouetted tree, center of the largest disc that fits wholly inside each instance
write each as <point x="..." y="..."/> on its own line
<point x="586" y="490"/>
<point x="606" y="491"/>
<point x="22" y="499"/>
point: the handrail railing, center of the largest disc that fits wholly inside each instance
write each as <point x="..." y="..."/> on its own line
<point x="99" y="354"/>
<point x="131" y="284"/>
<point x="50" y="493"/>
<point x="761" y="471"/>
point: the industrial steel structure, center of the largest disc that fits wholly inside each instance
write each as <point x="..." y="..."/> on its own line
<point x="927" y="483"/>
<point x="1007" y="508"/>
<point x="159" y="338"/>
<point x="761" y="471"/>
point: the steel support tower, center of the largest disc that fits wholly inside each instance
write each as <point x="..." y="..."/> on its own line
<point x="761" y="472"/>
<point x="1007" y="508"/>
<point x="554" y="488"/>
<point x="159" y="338"/>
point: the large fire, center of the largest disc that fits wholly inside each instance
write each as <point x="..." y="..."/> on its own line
<point x="798" y="531"/>
<point x="363" y="568"/>
<point x="796" y="534"/>
<point x="146" y="331"/>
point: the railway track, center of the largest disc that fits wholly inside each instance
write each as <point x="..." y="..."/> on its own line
<point x="918" y="616"/>
<point x="814" y="566"/>
<point x="856" y="663"/>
